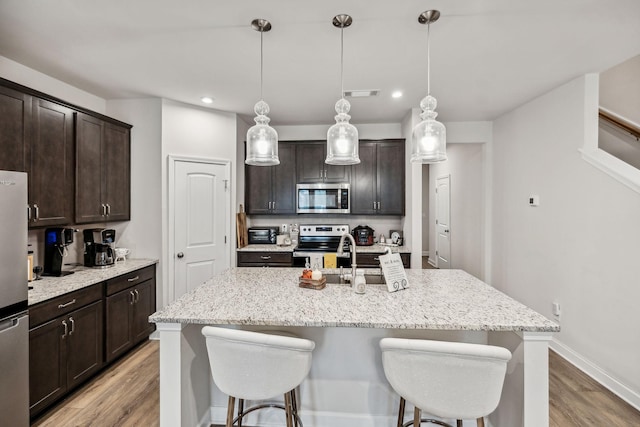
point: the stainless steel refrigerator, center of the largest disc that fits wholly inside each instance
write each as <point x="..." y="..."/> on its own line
<point x="14" y="321"/>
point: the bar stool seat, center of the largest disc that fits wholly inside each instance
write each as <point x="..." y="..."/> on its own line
<point x="447" y="379"/>
<point x="257" y="366"/>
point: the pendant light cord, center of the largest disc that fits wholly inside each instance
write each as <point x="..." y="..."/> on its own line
<point x="428" y="59"/>
<point x="342" y="61"/>
<point x="261" y="32"/>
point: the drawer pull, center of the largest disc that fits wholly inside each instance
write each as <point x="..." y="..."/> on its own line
<point x="265" y="257"/>
<point x="376" y="259"/>
<point x="133" y="279"/>
<point x="73" y="301"/>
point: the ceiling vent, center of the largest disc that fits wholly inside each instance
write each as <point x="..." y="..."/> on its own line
<point x="361" y="93"/>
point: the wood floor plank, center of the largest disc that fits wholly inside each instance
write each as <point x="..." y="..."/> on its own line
<point x="127" y="394"/>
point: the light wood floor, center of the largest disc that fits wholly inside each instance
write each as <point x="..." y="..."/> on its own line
<point x="127" y="395"/>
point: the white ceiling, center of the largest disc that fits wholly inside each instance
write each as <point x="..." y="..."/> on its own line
<point x="487" y="56"/>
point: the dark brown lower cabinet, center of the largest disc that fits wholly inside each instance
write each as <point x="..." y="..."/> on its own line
<point x="128" y="311"/>
<point x="63" y="353"/>
<point x="372" y="260"/>
<point x="265" y="259"/>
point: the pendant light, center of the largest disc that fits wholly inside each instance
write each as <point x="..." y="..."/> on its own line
<point x="342" y="138"/>
<point x="262" y="139"/>
<point x="429" y="138"/>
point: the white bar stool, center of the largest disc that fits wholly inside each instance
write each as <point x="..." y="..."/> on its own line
<point x="257" y="366"/>
<point x="445" y="379"/>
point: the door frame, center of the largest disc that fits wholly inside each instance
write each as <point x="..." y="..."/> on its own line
<point x="169" y="288"/>
<point x="448" y="177"/>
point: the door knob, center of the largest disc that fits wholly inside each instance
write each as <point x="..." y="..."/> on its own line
<point x="180" y="255"/>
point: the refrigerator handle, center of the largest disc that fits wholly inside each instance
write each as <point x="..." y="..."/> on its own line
<point x="8" y="324"/>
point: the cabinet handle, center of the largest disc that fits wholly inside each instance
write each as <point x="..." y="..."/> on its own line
<point x="133" y="279"/>
<point x="28" y="213"/>
<point x="374" y="206"/>
<point x="378" y="205"/>
<point x="66" y="329"/>
<point x="73" y="325"/>
<point x="108" y="209"/>
<point x="137" y="296"/>
<point x="67" y="304"/>
<point x="265" y="257"/>
<point x="274" y="206"/>
<point x="103" y="210"/>
<point x="36" y="212"/>
<point x="376" y="258"/>
<point x="133" y="298"/>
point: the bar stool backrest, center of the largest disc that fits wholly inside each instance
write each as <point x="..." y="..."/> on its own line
<point x="256" y="366"/>
<point x="446" y="379"/>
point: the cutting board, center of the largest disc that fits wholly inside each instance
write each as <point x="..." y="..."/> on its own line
<point x="241" y="228"/>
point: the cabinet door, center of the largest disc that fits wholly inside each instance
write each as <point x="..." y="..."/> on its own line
<point x="84" y="343"/>
<point x="363" y="181"/>
<point x="310" y="162"/>
<point x="15" y="114"/>
<point x="390" y="178"/>
<point x="116" y="151"/>
<point x="145" y="305"/>
<point x="337" y="173"/>
<point x="51" y="167"/>
<point x="257" y="190"/>
<point x="284" y="181"/>
<point x="47" y="364"/>
<point x="119" y="320"/>
<point x="89" y="190"/>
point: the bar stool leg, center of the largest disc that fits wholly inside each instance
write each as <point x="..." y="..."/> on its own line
<point x="416" y="417"/>
<point x="458" y="423"/>
<point x="401" y="412"/>
<point x="230" y="407"/>
<point x="240" y="411"/>
<point x="480" y="422"/>
<point x="294" y="406"/>
<point x="288" y="408"/>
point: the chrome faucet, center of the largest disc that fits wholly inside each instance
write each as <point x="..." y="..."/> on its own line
<point x="353" y="252"/>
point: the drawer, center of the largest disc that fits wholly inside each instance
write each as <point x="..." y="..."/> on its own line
<point x="125" y="281"/>
<point x="266" y="259"/>
<point x="64" y="304"/>
<point x="372" y="260"/>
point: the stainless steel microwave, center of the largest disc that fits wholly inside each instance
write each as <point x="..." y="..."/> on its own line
<point x="323" y="198"/>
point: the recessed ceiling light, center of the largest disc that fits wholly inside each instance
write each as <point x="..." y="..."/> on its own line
<point x="361" y="93"/>
<point x="206" y="99"/>
<point x="396" y="94"/>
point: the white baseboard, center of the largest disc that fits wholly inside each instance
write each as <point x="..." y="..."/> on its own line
<point x="433" y="264"/>
<point x="615" y="386"/>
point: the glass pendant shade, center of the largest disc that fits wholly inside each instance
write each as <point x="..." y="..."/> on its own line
<point x="342" y="138"/>
<point x="262" y="139"/>
<point x="429" y="137"/>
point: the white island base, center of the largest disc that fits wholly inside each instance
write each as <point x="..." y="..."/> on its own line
<point x="346" y="386"/>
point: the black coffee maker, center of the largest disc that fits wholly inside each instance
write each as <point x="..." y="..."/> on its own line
<point x="56" y="241"/>
<point x="98" y="247"/>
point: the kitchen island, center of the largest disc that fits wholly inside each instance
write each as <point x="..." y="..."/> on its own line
<point x="346" y="385"/>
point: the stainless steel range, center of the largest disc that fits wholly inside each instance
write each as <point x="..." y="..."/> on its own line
<point x="314" y="241"/>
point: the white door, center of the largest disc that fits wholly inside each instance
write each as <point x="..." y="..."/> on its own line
<point x="201" y="202"/>
<point x="443" y="234"/>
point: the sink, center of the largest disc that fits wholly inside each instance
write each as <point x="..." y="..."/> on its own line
<point x="372" y="279"/>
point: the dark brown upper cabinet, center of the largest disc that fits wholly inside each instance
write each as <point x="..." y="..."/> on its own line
<point x="378" y="181"/>
<point x="311" y="167"/>
<point x="271" y="189"/>
<point x="36" y="136"/>
<point x="103" y="175"/>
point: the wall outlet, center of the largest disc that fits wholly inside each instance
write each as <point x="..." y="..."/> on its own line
<point x="534" y="200"/>
<point x="555" y="309"/>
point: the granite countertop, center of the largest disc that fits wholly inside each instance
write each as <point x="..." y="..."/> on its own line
<point x="51" y="287"/>
<point x="376" y="248"/>
<point x="435" y="299"/>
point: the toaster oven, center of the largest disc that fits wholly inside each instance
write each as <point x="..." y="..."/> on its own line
<point x="262" y="235"/>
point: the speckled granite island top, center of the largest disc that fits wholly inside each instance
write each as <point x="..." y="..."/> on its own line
<point x="51" y="287"/>
<point x="436" y="299"/>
